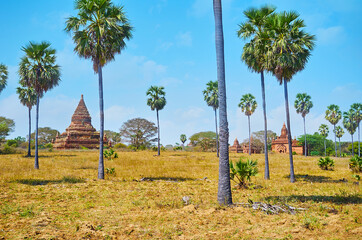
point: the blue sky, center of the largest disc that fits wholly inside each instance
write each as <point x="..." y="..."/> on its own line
<point x="173" y="46"/>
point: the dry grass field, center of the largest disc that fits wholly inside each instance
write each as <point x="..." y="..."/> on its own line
<point x="64" y="199"/>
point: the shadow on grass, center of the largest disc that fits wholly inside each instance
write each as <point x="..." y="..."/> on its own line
<point x="88" y="167"/>
<point x="337" y="199"/>
<point x="315" y="178"/>
<point x="167" y="179"/>
<point x="35" y="182"/>
<point x="57" y="155"/>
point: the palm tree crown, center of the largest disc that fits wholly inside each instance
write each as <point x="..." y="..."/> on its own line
<point x="211" y="94"/>
<point x="248" y="104"/>
<point x="323" y="130"/>
<point x="3" y="76"/>
<point x="339" y="131"/>
<point x="100" y="30"/>
<point x="156" y="98"/>
<point x="357" y="108"/>
<point x="303" y="104"/>
<point x="349" y="121"/>
<point x="333" y="114"/>
<point x="27" y="96"/>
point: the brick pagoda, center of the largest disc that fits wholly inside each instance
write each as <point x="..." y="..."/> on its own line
<point x="80" y="132"/>
<point x="236" y="148"/>
<point x="280" y="144"/>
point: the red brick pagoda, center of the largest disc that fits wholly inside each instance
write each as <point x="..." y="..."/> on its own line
<point x="80" y="132"/>
<point x="280" y="144"/>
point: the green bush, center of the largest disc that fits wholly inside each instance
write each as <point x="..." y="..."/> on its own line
<point x="294" y="153"/>
<point x="12" y="143"/>
<point x="110" y="171"/>
<point x="177" y="148"/>
<point x="242" y="171"/>
<point x="110" y="154"/>
<point x="7" y="150"/>
<point x="120" y="145"/>
<point x="314" y="153"/>
<point x="326" y="163"/>
<point x="355" y="164"/>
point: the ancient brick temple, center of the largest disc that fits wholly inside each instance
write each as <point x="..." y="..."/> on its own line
<point x="236" y="148"/>
<point x="80" y="132"/>
<point x="280" y="144"/>
<point x="254" y="149"/>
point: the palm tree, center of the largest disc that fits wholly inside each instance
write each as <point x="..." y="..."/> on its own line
<point x="27" y="97"/>
<point x="350" y="123"/>
<point x="303" y="104"/>
<point x="339" y="132"/>
<point x="333" y="115"/>
<point x="290" y="51"/>
<point x="3" y="76"/>
<point x="99" y="32"/>
<point x="183" y="139"/>
<point x="224" y="188"/>
<point x="357" y="108"/>
<point x="37" y="70"/>
<point x="211" y="98"/>
<point x="157" y="101"/>
<point x="323" y="130"/>
<point x="255" y="55"/>
<point x="248" y="106"/>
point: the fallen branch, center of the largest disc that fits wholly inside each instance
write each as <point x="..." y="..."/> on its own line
<point x="271" y="209"/>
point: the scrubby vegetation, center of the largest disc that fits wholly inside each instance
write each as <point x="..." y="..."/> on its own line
<point x="326" y="163"/>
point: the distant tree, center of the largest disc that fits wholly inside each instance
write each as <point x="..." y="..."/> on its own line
<point x="357" y="108"/>
<point x="260" y="136"/>
<point x="333" y="115"/>
<point x="303" y="104"/>
<point x="6" y="127"/>
<point x="115" y="137"/>
<point x="323" y="130"/>
<point x="248" y="106"/>
<point x="139" y="132"/>
<point x="156" y="101"/>
<point x="183" y="138"/>
<point x="256" y="143"/>
<point x="3" y="76"/>
<point x="27" y="97"/>
<point x="99" y="33"/>
<point x="316" y="144"/>
<point x="197" y="138"/>
<point x="211" y="97"/>
<point x="46" y="135"/>
<point x="39" y="71"/>
<point x="350" y="123"/>
<point x="338" y="131"/>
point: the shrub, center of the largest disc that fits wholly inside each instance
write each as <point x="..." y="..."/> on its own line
<point x="242" y="171"/>
<point x="355" y="164"/>
<point x="110" y="171"/>
<point x="120" y="145"/>
<point x="177" y="148"/>
<point x="326" y="163"/>
<point x="294" y="153"/>
<point x="314" y="153"/>
<point x="12" y="143"/>
<point x="7" y="150"/>
<point x="110" y="154"/>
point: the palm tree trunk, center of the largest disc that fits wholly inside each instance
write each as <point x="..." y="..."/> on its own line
<point x="340" y="150"/>
<point x="224" y="188"/>
<point x="325" y="147"/>
<point x="266" y="172"/>
<point x="352" y="146"/>
<point x="292" y="177"/>
<point x="158" y="131"/>
<point x="29" y="138"/>
<point x="101" y="131"/>
<point x="359" y="147"/>
<point x="217" y="135"/>
<point x="305" y="139"/>
<point x="36" y="164"/>
<point x="249" y="136"/>
<point x="335" y="139"/>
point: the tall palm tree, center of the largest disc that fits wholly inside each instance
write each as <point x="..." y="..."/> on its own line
<point x="290" y="51"/>
<point x="156" y="101"/>
<point x="255" y="55"/>
<point x="3" y="76"/>
<point x="27" y="97"/>
<point x="333" y="115"/>
<point x="212" y="99"/>
<point x="339" y="132"/>
<point x="38" y="70"/>
<point x="183" y="139"/>
<point x="303" y="104"/>
<point x="357" y="108"/>
<point x="99" y="32"/>
<point x="323" y="130"/>
<point x="224" y="188"/>
<point x="350" y="123"/>
<point x="248" y="106"/>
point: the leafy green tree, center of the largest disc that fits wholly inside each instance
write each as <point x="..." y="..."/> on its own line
<point x="183" y="138"/>
<point x="3" y="76"/>
<point x="255" y="56"/>
<point x="139" y="132"/>
<point x="316" y="144"/>
<point x="199" y="137"/>
<point x="27" y="97"/>
<point x="46" y="135"/>
<point x="39" y="71"/>
<point x="99" y="32"/>
<point x="211" y="97"/>
<point x="260" y="136"/>
<point x="303" y="104"/>
<point x="350" y="123"/>
<point x="224" y="187"/>
<point x="156" y="101"/>
<point x="248" y="106"/>
<point x="115" y="137"/>
<point x="357" y="108"/>
<point x="290" y="50"/>
<point x="323" y="130"/>
<point x="333" y="115"/>
<point x="6" y="127"/>
<point x="339" y="132"/>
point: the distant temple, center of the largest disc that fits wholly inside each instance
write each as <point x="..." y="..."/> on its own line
<point x="237" y="148"/>
<point x="80" y="132"/>
<point x="254" y="148"/>
<point x="280" y="144"/>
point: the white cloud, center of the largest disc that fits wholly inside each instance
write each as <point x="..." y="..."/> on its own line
<point x="331" y="35"/>
<point x="115" y="115"/>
